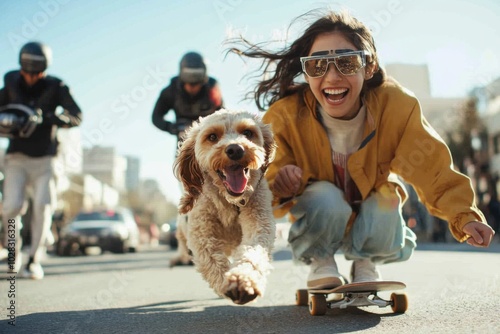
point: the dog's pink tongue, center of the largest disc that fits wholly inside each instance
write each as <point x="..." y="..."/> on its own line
<point x="236" y="180"/>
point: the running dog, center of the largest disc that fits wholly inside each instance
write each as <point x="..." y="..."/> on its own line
<point x="230" y="227"/>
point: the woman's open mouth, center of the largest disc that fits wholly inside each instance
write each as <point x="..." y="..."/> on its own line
<point x="336" y="95"/>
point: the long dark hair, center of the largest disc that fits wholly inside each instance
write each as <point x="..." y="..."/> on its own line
<point x="288" y="67"/>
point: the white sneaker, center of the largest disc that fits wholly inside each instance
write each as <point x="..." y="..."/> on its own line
<point x="324" y="274"/>
<point x="364" y="271"/>
<point x="33" y="271"/>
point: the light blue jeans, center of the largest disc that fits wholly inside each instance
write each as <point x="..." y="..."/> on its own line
<point x="379" y="231"/>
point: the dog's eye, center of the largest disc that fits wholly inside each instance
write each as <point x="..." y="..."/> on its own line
<point x="248" y="134"/>
<point x="212" y="137"/>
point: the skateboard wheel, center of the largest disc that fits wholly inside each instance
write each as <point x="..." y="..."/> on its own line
<point x="301" y="297"/>
<point x="399" y="302"/>
<point x="317" y="305"/>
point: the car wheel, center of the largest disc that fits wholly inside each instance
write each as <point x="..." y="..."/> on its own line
<point x="63" y="251"/>
<point x="173" y="243"/>
<point x="120" y="248"/>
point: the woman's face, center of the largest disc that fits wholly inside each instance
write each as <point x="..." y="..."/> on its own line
<point x="338" y="94"/>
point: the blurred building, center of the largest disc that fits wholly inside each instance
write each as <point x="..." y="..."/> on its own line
<point x="70" y="150"/>
<point x="132" y="173"/>
<point x="105" y="165"/>
<point x="412" y="76"/>
<point x="97" y="193"/>
<point x="69" y="158"/>
<point x="440" y="112"/>
<point x="154" y="201"/>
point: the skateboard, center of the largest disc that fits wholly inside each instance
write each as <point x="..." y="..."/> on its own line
<point x="354" y="294"/>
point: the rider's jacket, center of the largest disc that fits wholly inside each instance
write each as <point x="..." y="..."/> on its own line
<point x="44" y="97"/>
<point x="187" y="108"/>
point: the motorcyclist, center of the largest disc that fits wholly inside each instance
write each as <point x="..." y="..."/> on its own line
<point x="190" y="95"/>
<point x="28" y="116"/>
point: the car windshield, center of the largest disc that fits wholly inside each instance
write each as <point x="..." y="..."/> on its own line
<point x="99" y="215"/>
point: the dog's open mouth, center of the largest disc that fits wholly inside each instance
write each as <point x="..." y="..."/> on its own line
<point x="235" y="179"/>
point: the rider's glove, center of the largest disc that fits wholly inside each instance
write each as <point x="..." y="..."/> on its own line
<point x="172" y="128"/>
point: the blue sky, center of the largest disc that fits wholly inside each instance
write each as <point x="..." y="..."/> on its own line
<point x="117" y="55"/>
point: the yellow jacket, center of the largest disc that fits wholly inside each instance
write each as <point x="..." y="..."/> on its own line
<point x="397" y="140"/>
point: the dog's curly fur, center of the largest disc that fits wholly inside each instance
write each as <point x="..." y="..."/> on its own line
<point x="230" y="229"/>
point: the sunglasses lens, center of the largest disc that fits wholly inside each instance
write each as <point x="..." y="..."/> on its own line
<point x="349" y="64"/>
<point x="316" y="67"/>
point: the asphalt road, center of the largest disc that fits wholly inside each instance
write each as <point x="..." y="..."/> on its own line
<point x="451" y="289"/>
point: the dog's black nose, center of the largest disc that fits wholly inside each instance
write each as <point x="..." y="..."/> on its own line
<point x="234" y="152"/>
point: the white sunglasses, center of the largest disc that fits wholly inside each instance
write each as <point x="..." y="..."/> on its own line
<point x="348" y="63"/>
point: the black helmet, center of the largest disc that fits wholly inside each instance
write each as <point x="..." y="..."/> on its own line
<point x="193" y="68"/>
<point x="35" y="57"/>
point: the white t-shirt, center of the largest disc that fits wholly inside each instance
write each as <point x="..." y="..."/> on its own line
<point x="345" y="138"/>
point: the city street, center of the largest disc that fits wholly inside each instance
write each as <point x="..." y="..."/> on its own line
<point x="451" y="288"/>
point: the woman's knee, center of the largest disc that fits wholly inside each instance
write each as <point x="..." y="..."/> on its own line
<point x="378" y="229"/>
<point x="322" y="201"/>
<point x="380" y="235"/>
<point x="382" y="209"/>
<point x="324" y="197"/>
<point x="321" y="209"/>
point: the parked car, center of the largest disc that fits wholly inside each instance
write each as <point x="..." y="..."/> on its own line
<point x="112" y="230"/>
<point x="167" y="234"/>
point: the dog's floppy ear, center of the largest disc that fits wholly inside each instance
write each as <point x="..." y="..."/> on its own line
<point x="269" y="145"/>
<point x="187" y="170"/>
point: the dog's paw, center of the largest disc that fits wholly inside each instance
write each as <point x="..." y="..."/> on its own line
<point x="241" y="291"/>
<point x="241" y="284"/>
<point x="240" y="297"/>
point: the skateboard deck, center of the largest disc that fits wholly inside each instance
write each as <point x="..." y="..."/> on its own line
<point x="354" y="294"/>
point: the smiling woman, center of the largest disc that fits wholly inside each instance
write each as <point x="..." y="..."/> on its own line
<point x="343" y="139"/>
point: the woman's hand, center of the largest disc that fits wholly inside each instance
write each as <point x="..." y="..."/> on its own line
<point x="287" y="181"/>
<point x="480" y="234"/>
